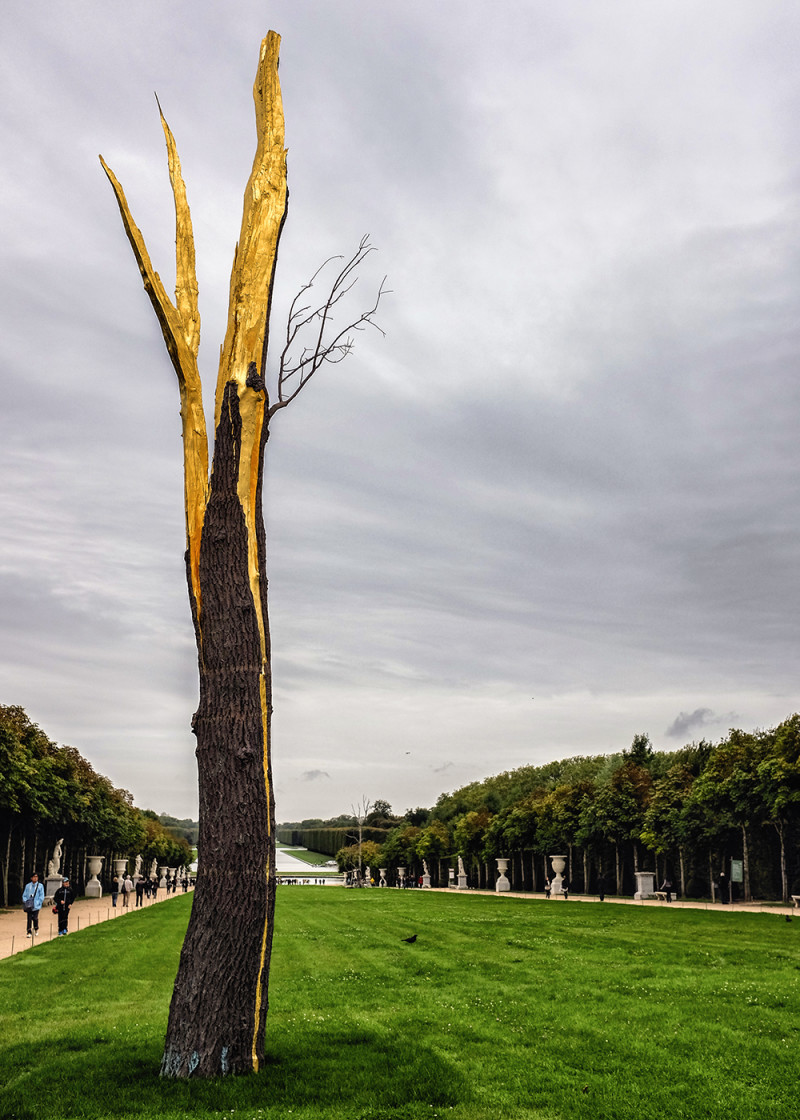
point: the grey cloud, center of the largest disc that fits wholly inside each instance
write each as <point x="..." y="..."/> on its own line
<point x="687" y="723"/>
<point x="568" y="471"/>
<point x="313" y="775"/>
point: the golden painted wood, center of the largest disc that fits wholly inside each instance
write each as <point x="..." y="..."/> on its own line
<point x="180" y="326"/>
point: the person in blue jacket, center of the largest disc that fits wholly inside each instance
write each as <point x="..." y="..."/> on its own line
<point x="32" y="899"/>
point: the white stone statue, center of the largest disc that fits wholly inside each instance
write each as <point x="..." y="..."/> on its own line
<point x="154" y="869"/>
<point x="54" y="866"/>
<point x="138" y="872"/>
<point x="425" y="867"/>
<point x="461" y="870"/>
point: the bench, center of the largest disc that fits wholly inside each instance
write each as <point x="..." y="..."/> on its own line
<point x="661" y="895"/>
<point x="796" y="901"/>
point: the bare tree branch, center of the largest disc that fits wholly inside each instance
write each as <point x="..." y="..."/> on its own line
<point x="299" y="363"/>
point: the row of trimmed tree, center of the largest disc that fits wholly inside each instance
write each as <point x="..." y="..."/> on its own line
<point x="685" y="815"/>
<point x="49" y="793"/>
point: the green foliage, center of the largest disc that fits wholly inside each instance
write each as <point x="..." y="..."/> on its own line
<point x="418" y="816"/>
<point x="434" y="841"/>
<point x="380" y="814"/>
<point x="641" y="751"/>
<point x="184" y="828"/>
<point x="49" y="791"/>
<point x="520" y="1010"/>
<point x="470" y="829"/>
<point x="371" y="855"/>
<point x="329" y="840"/>
<point x="400" y="846"/>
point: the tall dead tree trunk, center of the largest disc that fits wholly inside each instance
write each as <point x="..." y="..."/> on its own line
<point x="219" y="1005"/>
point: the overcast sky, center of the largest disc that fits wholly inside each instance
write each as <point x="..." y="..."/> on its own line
<point x="557" y="505"/>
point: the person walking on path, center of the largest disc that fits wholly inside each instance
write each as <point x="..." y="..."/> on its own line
<point x="666" y="886"/>
<point x="601" y="886"/>
<point x="114" y="891"/>
<point x="724" y="889"/>
<point x="126" y="887"/>
<point x="140" y="892"/>
<point x="63" y="899"/>
<point x="32" y="899"/>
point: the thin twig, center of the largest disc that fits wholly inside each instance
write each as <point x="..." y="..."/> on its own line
<point x="322" y="349"/>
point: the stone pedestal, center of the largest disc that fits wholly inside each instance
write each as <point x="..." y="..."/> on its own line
<point x="502" y="883"/>
<point x="93" y="888"/>
<point x="645" y="884"/>
<point x="50" y="888"/>
<point x="426" y="882"/>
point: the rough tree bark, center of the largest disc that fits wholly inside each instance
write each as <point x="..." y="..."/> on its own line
<point x="219" y="1005"/>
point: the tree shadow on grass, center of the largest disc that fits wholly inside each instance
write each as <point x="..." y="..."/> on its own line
<point x="340" y="1069"/>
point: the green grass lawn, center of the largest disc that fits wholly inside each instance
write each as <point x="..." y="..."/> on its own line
<point x="502" y="1008"/>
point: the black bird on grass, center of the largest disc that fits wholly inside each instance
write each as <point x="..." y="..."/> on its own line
<point x="409" y="940"/>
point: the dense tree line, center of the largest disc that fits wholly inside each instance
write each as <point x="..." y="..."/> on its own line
<point x="338" y="833"/>
<point x="181" y="827"/>
<point x="682" y="814"/>
<point x="49" y="792"/>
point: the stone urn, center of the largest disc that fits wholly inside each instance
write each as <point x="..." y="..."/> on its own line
<point x="557" y="885"/>
<point x="502" y="883"/>
<point x="163" y="871"/>
<point x="401" y="874"/>
<point x="382" y="873"/>
<point x="93" y="888"/>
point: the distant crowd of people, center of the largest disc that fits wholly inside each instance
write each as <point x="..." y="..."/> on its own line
<point x="144" y="888"/>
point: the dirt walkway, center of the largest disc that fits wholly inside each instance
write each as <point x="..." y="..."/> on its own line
<point x="84" y="912"/>
<point x="734" y="907"/>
